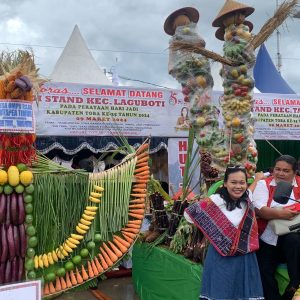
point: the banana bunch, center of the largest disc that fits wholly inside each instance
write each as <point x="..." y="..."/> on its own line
<point x="239" y="106"/>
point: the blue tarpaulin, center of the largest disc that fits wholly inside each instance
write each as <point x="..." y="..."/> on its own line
<point x="267" y="78"/>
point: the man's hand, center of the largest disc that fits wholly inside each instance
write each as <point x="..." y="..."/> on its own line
<point x="288" y="214"/>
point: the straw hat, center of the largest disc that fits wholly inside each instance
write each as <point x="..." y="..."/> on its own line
<point x="229" y="7"/>
<point x="190" y="12"/>
<point x="221" y="31"/>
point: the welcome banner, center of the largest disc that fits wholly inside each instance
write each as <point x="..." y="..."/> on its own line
<point x="91" y="110"/>
<point x="67" y="109"/>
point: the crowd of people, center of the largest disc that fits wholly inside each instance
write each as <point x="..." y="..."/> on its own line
<point x="244" y="250"/>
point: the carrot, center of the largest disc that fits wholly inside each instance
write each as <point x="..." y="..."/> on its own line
<point x="142" y="155"/>
<point x="142" y="148"/>
<point x="131" y="230"/>
<point x="68" y="281"/>
<point x="142" y="178"/>
<point x="141" y="169"/>
<point x="142" y="205"/>
<point x="138" y="195"/>
<point x="137" y="190"/>
<point x="142" y="173"/>
<point x="103" y="262"/>
<point x="145" y="174"/>
<point x="110" y="253"/>
<point x="139" y="185"/>
<point x="120" y="246"/>
<point x="73" y="278"/>
<point x="137" y="211"/>
<point x="90" y="270"/>
<point x="130" y="233"/>
<point x="57" y="285"/>
<point x="133" y="226"/>
<point x="124" y="243"/>
<point x="128" y="239"/>
<point x="107" y="258"/>
<point x="115" y="249"/>
<point x="51" y="288"/>
<point x="139" y="222"/>
<point x="84" y="273"/>
<point x="137" y="201"/>
<point x="63" y="284"/>
<point x="78" y="277"/>
<point x="95" y="270"/>
<point x="46" y="289"/>
<point x="143" y="164"/>
<point x="140" y="217"/>
<point x="98" y="265"/>
<point x="144" y="159"/>
<point x="139" y="180"/>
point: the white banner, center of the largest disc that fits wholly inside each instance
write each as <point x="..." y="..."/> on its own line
<point x="67" y="109"/>
<point x="177" y="154"/>
<point x="277" y="117"/>
<point x="16" y="116"/>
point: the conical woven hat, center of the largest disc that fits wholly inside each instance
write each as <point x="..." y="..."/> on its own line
<point x="190" y="12"/>
<point x="221" y="31"/>
<point x="229" y="7"/>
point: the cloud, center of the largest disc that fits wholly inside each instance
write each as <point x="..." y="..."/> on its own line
<point x="129" y="31"/>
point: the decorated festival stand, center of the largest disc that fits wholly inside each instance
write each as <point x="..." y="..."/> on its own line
<point x="61" y="226"/>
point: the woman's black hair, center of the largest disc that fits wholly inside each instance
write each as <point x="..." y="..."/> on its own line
<point x="289" y="160"/>
<point x="229" y="202"/>
<point x="187" y="111"/>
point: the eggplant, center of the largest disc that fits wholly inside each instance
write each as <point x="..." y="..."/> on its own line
<point x="27" y="82"/>
<point x="2" y="272"/>
<point x="2" y="208"/>
<point x="10" y="242"/>
<point x="4" y="252"/>
<point x="7" y="209"/>
<point x="13" y="209"/>
<point x="23" y="243"/>
<point x="21" y="84"/>
<point x="8" y="273"/>
<point x="20" y="268"/>
<point x="14" y="269"/>
<point x="17" y="240"/>
<point x="21" y="209"/>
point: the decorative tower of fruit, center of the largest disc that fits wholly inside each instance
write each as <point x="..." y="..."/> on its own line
<point x="17" y="135"/>
<point x="238" y="83"/>
<point x="17" y="128"/>
<point x="192" y="71"/>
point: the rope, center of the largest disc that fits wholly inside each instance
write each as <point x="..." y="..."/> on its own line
<point x="273" y="147"/>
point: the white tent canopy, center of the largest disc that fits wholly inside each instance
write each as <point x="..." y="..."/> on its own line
<point x="76" y="63"/>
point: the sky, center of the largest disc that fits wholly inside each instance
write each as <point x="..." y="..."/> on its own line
<point x="129" y="35"/>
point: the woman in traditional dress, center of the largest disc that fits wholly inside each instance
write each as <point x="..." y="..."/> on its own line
<point x="227" y="219"/>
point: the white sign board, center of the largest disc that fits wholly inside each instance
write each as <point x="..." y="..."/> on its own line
<point x="30" y="290"/>
<point x="16" y="116"/>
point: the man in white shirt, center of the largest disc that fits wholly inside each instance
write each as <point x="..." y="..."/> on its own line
<point x="275" y="249"/>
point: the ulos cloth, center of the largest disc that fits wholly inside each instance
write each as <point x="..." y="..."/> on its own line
<point x="230" y="277"/>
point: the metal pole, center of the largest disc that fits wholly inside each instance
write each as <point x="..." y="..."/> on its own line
<point x="279" y="64"/>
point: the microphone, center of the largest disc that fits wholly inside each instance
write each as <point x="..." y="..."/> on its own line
<point x="282" y="192"/>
